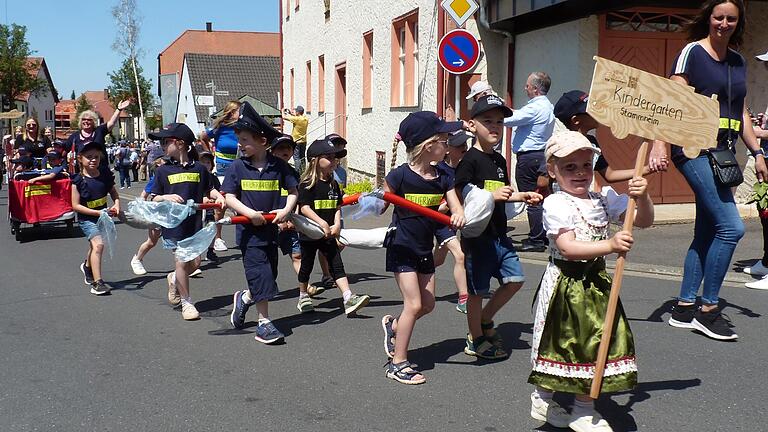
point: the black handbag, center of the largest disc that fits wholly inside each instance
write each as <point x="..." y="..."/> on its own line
<point x="725" y="167"/>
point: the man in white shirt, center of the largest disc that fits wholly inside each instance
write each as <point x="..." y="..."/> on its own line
<point x="534" y="122"/>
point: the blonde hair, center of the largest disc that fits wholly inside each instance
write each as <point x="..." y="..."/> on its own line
<point x="24" y="131"/>
<point x="310" y="174"/>
<point x="224" y="119"/>
<point x="414" y="153"/>
<point x="88" y="114"/>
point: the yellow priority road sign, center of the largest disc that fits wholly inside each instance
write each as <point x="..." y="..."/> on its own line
<point x="632" y="101"/>
<point x="460" y="10"/>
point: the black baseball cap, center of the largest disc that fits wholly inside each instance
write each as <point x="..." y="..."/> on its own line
<point x="458" y="139"/>
<point x="26" y="161"/>
<point x="92" y="145"/>
<point x="250" y="120"/>
<point x="175" y="130"/>
<point x="53" y="155"/>
<point x="570" y="104"/>
<point x="322" y="147"/>
<point x="489" y="103"/>
<point x="336" y="139"/>
<point x="421" y="125"/>
<point x="282" y="140"/>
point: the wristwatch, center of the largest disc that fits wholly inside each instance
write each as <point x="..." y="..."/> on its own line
<point x="757" y="152"/>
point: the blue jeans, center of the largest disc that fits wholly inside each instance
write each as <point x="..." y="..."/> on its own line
<point x="530" y="165"/>
<point x="299" y="157"/>
<point x="716" y="233"/>
<point x="125" y="176"/>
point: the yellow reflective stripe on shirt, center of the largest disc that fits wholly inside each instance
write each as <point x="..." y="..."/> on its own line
<point x="35" y="190"/>
<point x="228" y="156"/>
<point x="260" y="185"/>
<point x="184" y="178"/>
<point x="97" y="202"/>
<point x="735" y="124"/>
<point x="492" y="185"/>
<point x="426" y="200"/>
<point x="326" y="204"/>
<point x="283" y="192"/>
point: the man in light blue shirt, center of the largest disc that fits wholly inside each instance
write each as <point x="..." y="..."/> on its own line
<point x="535" y="123"/>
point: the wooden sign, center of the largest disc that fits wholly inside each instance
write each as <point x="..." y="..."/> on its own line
<point x="632" y="101"/>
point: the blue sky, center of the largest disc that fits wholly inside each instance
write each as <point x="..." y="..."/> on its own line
<point x="76" y="37"/>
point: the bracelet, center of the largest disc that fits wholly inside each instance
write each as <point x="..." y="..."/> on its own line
<point x="757" y="152"/>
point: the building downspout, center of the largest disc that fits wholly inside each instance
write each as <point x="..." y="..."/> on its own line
<point x="440" y="71"/>
<point x="483" y="22"/>
<point x="280" y="25"/>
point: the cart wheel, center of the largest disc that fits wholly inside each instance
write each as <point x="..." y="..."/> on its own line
<point x="15" y="227"/>
<point x="18" y="234"/>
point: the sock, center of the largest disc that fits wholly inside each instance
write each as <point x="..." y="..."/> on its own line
<point x="302" y="295"/>
<point x="247" y="297"/>
<point x="186" y="300"/>
<point x="583" y="408"/>
<point x="263" y="320"/>
<point x="543" y="394"/>
<point x="347" y="295"/>
<point x="463" y="298"/>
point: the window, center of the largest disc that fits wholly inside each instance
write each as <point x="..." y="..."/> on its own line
<point x="297" y="8"/>
<point x="287" y="9"/>
<point x="367" y="68"/>
<point x="309" y="86"/>
<point x="321" y="84"/>
<point x="293" y="78"/>
<point x="405" y="60"/>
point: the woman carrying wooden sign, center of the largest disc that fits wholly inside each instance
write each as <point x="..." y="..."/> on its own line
<point x="711" y="66"/>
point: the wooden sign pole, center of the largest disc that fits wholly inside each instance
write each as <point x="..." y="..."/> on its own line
<point x="613" y="300"/>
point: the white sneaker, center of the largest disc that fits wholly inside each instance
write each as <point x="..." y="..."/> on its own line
<point x="137" y="266"/>
<point x="761" y="284"/>
<point x="189" y="312"/>
<point x="590" y="423"/>
<point x="549" y="411"/>
<point x="219" y="245"/>
<point x="195" y="273"/>
<point x="756" y="270"/>
<point x="174" y="298"/>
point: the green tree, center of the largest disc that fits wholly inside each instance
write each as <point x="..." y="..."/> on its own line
<point x="72" y="96"/>
<point x="16" y="76"/>
<point x="124" y="87"/>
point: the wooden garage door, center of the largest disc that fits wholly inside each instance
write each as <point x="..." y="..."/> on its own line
<point x="628" y="37"/>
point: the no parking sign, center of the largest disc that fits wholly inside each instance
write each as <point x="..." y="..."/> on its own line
<point x="458" y="51"/>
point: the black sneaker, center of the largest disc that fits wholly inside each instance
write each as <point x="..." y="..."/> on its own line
<point x="87" y="273"/>
<point x="682" y="316"/>
<point x="714" y="324"/>
<point x="211" y="256"/>
<point x="98" y="288"/>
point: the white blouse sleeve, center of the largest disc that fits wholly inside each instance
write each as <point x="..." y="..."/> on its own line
<point x="615" y="204"/>
<point x="558" y="215"/>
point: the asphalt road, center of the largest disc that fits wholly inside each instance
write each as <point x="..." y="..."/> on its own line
<point x="71" y="361"/>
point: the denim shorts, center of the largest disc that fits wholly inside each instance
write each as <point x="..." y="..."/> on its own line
<point x="486" y="257"/>
<point x="444" y="234"/>
<point x="90" y="229"/>
<point x="403" y="260"/>
<point x="289" y="242"/>
<point x="170" y="244"/>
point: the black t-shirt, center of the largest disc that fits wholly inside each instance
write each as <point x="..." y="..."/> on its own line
<point x="414" y="231"/>
<point x="93" y="191"/>
<point x="189" y="181"/>
<point x="487" y="171"/>
<point x="98" y="135"/>
<point x="324" y="198"/>
<point x="33" y="148"/>
<point x="708" y="76"/>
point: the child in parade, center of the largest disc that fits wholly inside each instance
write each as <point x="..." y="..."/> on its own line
<point x="320" y="200"/>
<point x="212" y="215"/>
<point x="252" y="186"/>
<point x="491" y="254"/>
<point x="409" y="239"/>
<point x="445" y="237"/>
<point x="89" y="197"/>
<point x="572" y="298"/>
<point x="53" y="162"/>
<point x="180" y="179"/>
<point x="287" y="238"/>
<point x="153" y="234"/>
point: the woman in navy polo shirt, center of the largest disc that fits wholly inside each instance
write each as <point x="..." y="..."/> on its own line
<point x="711" y="66"/>
<point x="89" y="197"/>
<point x="179" y="180"/>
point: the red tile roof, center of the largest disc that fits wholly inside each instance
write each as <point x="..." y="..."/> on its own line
<point x="33" y="65"/>
<point x="217" y="42"/>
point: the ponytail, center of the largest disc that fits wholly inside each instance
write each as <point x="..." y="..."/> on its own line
<point x="394" y="151"/>
<point x="192" y="152"/>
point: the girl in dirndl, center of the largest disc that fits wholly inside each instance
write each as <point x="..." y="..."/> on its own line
<point x="572" y="299"/>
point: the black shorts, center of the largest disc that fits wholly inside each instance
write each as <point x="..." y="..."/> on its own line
<point x="403" y="260"/>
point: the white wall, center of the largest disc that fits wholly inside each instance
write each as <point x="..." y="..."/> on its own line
<point x="307" y="35"/>
<point x="563" y="51"/>
<point x="40" y="103"/>
<point x="756" y="42"/>
<point x="185" y="111"/>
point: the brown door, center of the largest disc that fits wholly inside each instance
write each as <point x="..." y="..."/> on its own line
<point x="340" y="117"/>
<point x="654" y="53"/>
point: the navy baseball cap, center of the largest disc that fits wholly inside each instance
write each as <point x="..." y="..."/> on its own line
<point x="250" y="120"/>
<point x="322" y="147"/>
<point x="489" y="103"/>
<point x="458" y="139"/>
<point x="175" y="130"/>
<point x="26" y="161"/>
<point x="421" y="125"/>
<point x="336" y="139"/>
<point x="570" y="104"/>
<point x="92" y="145"/>
<point x="53" y="155"/>
<point x="282" y="140"/>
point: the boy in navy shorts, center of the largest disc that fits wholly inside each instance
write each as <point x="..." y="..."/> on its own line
<point x="491" y="254"/>
<point x="252" y="186"/>
<point x="287" y="237"/>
